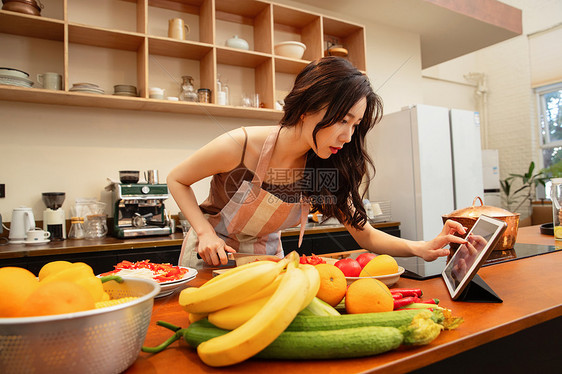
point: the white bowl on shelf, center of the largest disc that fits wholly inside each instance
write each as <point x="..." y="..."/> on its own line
<point x="290" y="49"/>
<point x="389" y="279"/>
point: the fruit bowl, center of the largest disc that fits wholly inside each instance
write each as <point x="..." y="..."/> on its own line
<point x="389" y="279"/>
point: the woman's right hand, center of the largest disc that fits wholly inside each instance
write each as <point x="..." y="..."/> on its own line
<point x="213" y="250"/>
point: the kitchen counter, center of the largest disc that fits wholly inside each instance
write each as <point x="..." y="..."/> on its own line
<point x="529" y="288"/>
<point x="111" y="244"/>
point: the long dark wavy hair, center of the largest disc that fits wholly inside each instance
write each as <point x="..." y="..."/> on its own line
<point x="335" y="84"/>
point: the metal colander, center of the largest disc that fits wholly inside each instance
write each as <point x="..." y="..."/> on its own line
<point x="100" y="341"/>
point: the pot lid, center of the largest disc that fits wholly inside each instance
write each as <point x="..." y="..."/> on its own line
<point x="475" y="211"/>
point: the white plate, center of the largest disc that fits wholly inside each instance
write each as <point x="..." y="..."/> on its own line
<point x="35" y="242"/>
<point x="168" y="288"/>
<point x="92" y="90"/>
<point x="389" y="279"/>
<point x="14" y="72"/>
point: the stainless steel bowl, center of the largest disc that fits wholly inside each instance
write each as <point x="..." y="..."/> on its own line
<point x="106" y="340"/>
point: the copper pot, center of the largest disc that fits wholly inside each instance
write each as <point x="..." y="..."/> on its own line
<point x="23" y="6"/>
<point x="468" y="216"/>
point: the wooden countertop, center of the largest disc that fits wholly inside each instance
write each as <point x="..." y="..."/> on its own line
<point x="529" y="288"/>
<point x="111" y="243"/>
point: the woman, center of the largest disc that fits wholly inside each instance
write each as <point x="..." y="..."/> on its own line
<point x="267" y="178"/>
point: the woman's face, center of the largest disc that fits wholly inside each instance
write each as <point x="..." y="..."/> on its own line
<point x="333" y="138"/>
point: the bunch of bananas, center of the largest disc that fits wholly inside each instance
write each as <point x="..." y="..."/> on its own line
<point x="257" y="301"/>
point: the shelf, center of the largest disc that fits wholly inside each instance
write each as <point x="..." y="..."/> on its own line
<point x="289" y="65"/>
<point x="180" y="49"/>
<point x="237" y="57"/>
<point x="99" y="37"/>
<point x="31" y="26"/>
<point x="106" y="47"/>
<point x="33" y="95"/>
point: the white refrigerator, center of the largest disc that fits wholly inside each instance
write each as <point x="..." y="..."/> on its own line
<point x="428" y="163"/>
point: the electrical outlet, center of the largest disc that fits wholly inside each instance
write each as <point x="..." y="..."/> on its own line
<point x="2" y="190"/>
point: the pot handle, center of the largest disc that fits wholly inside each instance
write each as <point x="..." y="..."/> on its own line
<point x="477" y="198"/>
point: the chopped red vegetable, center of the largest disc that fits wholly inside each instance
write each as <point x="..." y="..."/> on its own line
<point x="161" y="272"/>
<point x="312" y="260"/>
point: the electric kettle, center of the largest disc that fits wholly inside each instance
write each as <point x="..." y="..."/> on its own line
<point x="22" y="221"/>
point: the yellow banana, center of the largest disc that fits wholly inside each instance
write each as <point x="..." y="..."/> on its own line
<point x="228" y="291"/>
<point x="236" y="315"/>
<point x="264" y="327"/>
<point x="233" y="271"/>
<point x="313" y="283"/>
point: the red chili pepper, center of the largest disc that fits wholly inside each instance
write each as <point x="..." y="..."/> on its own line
<point x="405" y="301"/>
<point x="397" y="296"/>
<point x="430" y="301"/>
<point x="417" y="292"/>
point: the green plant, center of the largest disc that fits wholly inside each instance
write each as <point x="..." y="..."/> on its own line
<point x="528" y="183"/>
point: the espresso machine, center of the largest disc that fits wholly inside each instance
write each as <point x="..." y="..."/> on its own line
<point x="139" y="210"/>
<point x="54" y="219"/>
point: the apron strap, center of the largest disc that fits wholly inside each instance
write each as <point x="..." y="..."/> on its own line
<point x="265" y="156"/>
<point x="305" y="208"/>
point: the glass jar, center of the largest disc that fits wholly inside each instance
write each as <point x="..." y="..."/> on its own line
<point x="556" y="197"/>
<point x="187" y="90"/>
<point x="95" y="226"/>
<point x="204" y="95"/>
<point x="77" y="230"/>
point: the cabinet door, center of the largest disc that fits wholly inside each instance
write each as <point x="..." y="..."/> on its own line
<point x="99" y="262"/>
<point x="334" y="242"/>
<point x="290" y="243"/>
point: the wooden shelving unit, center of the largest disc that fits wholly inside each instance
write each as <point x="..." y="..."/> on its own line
<point x="141" y="52"/>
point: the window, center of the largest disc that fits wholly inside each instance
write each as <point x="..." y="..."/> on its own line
<point x="550" y="120"/>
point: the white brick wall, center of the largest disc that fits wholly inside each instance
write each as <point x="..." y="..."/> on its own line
<point x="512" y="112"/>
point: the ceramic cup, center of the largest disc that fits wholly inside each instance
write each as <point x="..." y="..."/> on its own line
<point x="177" y="29"/>
<point x="50" y="81"/>
<point x="37" y="235"/>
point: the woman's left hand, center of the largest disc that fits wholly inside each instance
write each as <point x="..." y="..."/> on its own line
<point x="435" y="248"/>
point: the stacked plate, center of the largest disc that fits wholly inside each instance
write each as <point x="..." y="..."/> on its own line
<point x="125" y="90"/>
<point x="87" y="88"/>
<point x="14" y="77"/>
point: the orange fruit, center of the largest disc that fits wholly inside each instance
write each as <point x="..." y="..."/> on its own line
<point x="332" y="284"/>
<point x="16" y="284"/>
<point x="53" y="267"/>
<point x="57" y="298"/>
<point x="368" y="296"/>
<point x="380" y="265"/>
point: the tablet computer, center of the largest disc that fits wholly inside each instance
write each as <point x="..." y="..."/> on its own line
<point x="469" y="257"/>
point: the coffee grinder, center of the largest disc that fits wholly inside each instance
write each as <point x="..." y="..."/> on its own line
<point x="54" y="219"/>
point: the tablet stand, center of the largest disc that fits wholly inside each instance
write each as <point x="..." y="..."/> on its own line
<point x="478" y="291"/>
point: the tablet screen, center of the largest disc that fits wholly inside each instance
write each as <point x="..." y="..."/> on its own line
<point x="469" y="257"/>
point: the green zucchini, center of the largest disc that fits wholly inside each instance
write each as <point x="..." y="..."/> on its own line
<point x="303" y="345"/>
<point x="344" y="321"/>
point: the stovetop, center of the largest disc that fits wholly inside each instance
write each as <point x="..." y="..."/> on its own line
<point x="520" y="251"/>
